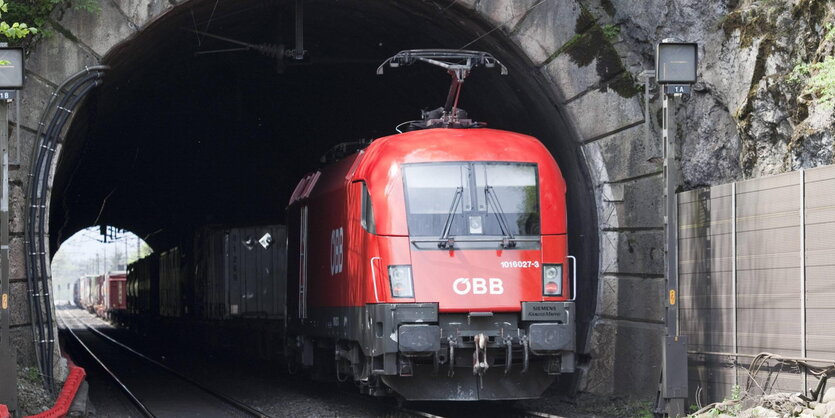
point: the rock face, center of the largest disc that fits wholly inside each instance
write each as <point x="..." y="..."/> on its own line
<point x="763" y="103"/>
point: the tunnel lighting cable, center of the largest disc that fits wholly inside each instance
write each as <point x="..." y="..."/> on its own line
<point x="499" y="26"/>
<point x="45" y="336"/>
<point x="35" y="251"/>
<point x="45" y="285"/>
<point x="31" y="264"/>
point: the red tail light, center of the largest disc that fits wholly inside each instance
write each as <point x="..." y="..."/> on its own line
<point x="552" y="288"/>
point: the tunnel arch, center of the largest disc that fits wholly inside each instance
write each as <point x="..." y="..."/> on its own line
<point x="189" y="137"/>
<point x="157" y="79"/>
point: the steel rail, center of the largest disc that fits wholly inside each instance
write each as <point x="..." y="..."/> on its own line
<point x="528" y="413"/>
<point x="417" y="413"/>
<point x="231" y="401"/>
<point x="142" y="408"/>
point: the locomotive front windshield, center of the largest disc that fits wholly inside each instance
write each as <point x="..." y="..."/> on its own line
<point x="472" y="199"/>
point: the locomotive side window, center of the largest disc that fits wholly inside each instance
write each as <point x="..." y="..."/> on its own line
<point x="367" y="216"/>
<point x="487" y="199"/>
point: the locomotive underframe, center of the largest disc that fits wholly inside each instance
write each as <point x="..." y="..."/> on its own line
<point x="425" y="355"/>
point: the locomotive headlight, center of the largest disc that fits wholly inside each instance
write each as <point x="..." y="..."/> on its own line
<point x="400" y="279"/>
<point x="552" y="279"/>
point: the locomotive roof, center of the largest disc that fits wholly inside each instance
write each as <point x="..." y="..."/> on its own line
<point x="437" y="145"/>
<point x="432" y="145"/>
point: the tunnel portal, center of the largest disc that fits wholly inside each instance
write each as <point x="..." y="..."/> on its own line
<point x="189" y="130"/>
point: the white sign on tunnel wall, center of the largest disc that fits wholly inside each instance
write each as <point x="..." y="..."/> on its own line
<point x="11" y="68"/>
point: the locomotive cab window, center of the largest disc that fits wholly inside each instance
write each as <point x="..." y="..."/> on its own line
<point x="472" y="202"/>
<point x="367" y="215"/>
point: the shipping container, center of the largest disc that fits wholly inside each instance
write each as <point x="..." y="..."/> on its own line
<point x="143" y="286"/>
<point x="76" y="292"/>
<point x="171" y="281"/>
<point x="240" y="272"/>
<point x="87" y="291"/>
<point x="97" y="297"/>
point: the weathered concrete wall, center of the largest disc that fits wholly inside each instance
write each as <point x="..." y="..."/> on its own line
<point x="599" y="98"/>
<point x="80" y="39"/>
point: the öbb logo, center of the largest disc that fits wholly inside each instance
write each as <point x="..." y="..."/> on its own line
<point x="478" y="286"/>
<point x="336" y="251"/>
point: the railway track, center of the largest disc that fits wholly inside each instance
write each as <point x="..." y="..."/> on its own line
<point x="471" y="410"/>
<point x="156" y="391"/>
<point x="121" y="363"/>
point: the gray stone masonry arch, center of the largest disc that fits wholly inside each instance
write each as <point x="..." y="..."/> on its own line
<point x="597" y="96"/>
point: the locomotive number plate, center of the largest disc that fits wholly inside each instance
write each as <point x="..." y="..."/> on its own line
<point x="520" y="264"/>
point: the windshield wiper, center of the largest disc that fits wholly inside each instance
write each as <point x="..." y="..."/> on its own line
<point x="509" y="241"/>
<point x="446" y="241"/>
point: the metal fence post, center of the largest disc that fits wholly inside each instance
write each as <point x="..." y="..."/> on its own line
<point x="735" y="296"/>
<point x="803" y="349"/>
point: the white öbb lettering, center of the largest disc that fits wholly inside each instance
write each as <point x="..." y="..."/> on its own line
<point x="336" y="251"/>
<point x="478" y="286"/>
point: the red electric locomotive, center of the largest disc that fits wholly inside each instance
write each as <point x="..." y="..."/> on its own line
<point x="434" y="264"/>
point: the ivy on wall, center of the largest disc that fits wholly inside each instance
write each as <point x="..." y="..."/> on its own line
<point x="15" y="30"/>
<point x="36" y="14"/>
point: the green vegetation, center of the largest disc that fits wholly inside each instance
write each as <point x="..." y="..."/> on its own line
<point x="37" y="12"/>
<point x="821" y="83"/>
<point x="818" y="78"/>
<point x="830" y="32"/>
<point x="730" y="406"/>
<point x="16" y="30"/>
<point x="611" y="32"/>
<point x="32" y="374"/>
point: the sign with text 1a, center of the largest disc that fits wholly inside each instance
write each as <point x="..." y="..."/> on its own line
<point x="677" y="89"/>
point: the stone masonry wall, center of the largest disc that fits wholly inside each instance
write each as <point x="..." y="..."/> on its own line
<point x="566" y="42"/>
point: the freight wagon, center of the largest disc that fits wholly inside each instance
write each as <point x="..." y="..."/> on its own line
<point x="225" y="290"/>
<point x="112" y="288"/>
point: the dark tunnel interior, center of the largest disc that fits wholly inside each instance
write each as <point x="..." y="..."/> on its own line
<point x="182" y="135"/>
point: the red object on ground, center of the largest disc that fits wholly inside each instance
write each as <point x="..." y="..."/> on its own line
<point x="65" y="398"/>
<point x="4" y="411"/>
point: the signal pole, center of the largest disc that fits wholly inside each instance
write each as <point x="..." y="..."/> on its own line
<point x="675" y="68"/>
<point x="11" y="77"/>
